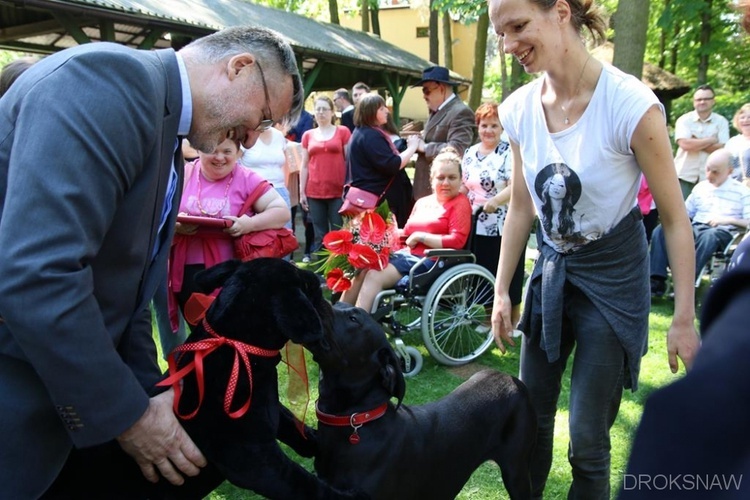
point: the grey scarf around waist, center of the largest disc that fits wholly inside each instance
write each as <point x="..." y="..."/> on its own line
<point x="613" y="273"/>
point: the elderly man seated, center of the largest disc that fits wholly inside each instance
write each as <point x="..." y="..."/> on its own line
<point x="718" y="207"/>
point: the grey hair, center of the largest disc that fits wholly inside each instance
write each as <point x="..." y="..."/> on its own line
<point x="267" y="45"/>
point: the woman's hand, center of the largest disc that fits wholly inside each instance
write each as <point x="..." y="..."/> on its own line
<point x="186" y="229"/>
<point x="242" y="225"/>
<point x="414" y="238"/>
<point x="303" y="202"/>
<point x="502" y="326"/>
<point x="490" y="207"/>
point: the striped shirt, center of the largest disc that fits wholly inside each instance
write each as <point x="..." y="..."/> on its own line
<point x="730" y="199"/>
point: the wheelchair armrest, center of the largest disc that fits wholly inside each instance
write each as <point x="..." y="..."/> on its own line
<point x="447" y="252"/>
<point x="728" y="250"/>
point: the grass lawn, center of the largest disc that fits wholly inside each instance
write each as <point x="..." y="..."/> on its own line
<point x="434" y="381"/>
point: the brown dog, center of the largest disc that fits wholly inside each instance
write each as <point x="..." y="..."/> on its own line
<point x="398" y="452"/>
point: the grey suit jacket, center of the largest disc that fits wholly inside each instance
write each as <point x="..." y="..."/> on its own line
<point x="451" y="126"/>
<point x="87" y="142"/>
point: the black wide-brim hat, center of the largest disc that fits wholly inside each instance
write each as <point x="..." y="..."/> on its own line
<point x="436" y="74"/>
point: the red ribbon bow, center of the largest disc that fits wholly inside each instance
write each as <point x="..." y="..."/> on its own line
<point x="202" y="349"/>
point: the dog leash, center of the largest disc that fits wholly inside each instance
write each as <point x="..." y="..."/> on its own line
<point x="355" y="420"/>
<point x="203" y="348"/>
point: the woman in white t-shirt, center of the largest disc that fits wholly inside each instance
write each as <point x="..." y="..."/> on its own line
<point x="739" y="145"/>
<point x="267" y="158"/>
<point x="589" y="291"/>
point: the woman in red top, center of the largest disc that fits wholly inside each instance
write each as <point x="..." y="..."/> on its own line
<point x="323" y="170"/>
<point x="439" y="220"/>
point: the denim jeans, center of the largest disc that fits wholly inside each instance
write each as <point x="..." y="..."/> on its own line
<point x="707" y="241"/>
<point x="596" y="384"/>
<point x="325" y="216"/>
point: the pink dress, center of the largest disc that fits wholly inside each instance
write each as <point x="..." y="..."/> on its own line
<point x="206" y="198"/>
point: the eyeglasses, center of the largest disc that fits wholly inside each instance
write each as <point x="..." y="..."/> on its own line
<point x="322" y="110"/>
<point x="703" y="99"/>
<point x="427" y="91"/>
<point x="265" y="123"/>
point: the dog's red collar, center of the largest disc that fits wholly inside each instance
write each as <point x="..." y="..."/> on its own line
<point x="355" y="420"/>
<point x="203" y="348"/>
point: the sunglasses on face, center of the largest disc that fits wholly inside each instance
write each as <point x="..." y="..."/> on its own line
<point x="427" y="90"/>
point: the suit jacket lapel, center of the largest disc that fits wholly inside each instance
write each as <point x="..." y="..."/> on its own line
<point x="438" y="117"/>
<point x="171" y="154"/>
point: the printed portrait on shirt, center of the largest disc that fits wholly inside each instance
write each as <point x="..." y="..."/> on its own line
<point x="559" y="189"/>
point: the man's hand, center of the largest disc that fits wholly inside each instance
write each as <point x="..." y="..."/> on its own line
<point x="721" y="221"/>
<point x="158" y="441"/>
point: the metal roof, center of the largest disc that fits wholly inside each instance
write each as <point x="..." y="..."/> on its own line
<point x="348" y="55"/>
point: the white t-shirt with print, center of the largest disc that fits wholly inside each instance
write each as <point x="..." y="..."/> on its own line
<point x="485" y="177"/>
<point x="585" y="179"/>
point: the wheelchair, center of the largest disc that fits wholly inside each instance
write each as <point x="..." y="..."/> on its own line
<point x="714" y="268"/>
<point x="717" y="264"/>
<point x="451" y="304"/>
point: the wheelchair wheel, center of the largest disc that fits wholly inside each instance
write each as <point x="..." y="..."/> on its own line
<point x="456" y="325"/>
<point x="409" y="358"/>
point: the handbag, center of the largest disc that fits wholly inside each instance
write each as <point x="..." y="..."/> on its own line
<point x="357" y="200"/>
<point x="275" y="242"/>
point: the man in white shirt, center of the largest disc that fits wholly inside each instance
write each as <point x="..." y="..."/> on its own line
<point x="698" y="134"/>
<point x="343" y="103"/>
<point x="718" y="206"/>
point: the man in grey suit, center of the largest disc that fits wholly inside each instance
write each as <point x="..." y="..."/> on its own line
<point x="451" y="123"/>
<point x="90" y="182"/>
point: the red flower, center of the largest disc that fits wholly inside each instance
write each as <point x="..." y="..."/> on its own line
<point x="363" y="257"/>
<point x="372" y="228"/>
<point x="338" y="242"/>
<point x="383" y="257"/>
<point x="337" y="281"/>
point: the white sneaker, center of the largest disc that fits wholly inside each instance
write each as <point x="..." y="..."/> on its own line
<point x="306" y="259"/>
<point x="482" y="329"/>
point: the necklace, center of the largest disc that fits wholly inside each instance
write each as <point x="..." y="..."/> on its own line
<point x="575" y="94"/>
<point x="226" y="198"/>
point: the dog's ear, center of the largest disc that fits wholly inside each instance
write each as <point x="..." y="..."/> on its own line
<point x="215" y="276"/>
<point x="390" y="373"/>
<point x="297" y="318"/>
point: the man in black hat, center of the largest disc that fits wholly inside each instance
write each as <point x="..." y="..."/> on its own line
<point x="451" y="123"/>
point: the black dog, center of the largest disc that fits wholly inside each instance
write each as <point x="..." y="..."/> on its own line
<point x="262" y="303"/>
<point x="400" y="452"/>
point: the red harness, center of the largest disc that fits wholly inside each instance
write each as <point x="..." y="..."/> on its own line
<point x="355" y="420"/>
<point x="202" y="349"/>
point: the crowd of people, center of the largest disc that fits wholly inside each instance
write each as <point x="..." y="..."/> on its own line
<point x="512" y="164"/>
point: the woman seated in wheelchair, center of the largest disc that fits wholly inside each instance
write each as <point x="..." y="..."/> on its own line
<point x="440" y="220"/>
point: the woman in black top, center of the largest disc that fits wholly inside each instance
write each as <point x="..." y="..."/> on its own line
<point x="374" y="163"/>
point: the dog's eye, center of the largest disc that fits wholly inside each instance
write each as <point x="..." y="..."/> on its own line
<point x="354" y="319"/>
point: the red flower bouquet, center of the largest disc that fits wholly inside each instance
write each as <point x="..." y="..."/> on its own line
<point x="364" y="242"/>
